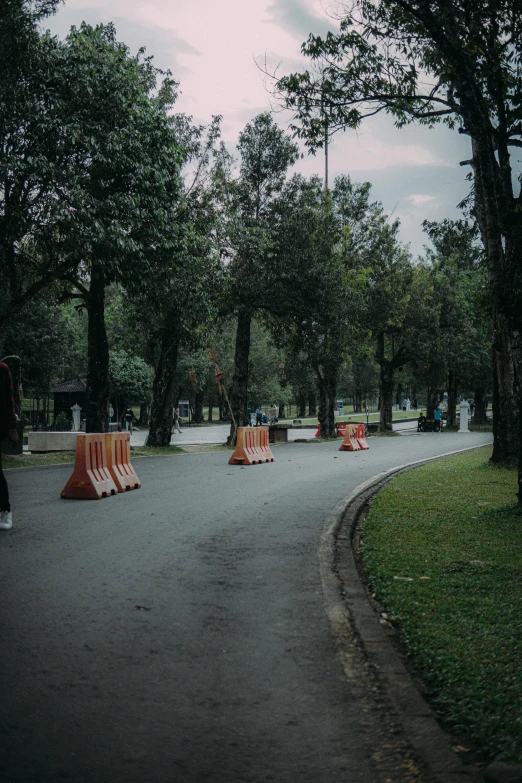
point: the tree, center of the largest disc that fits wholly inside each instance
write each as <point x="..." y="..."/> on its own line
<point x="124" y="184"/>
<point x="313" y="308"/>
<point x="266" y="154"/>
<point x="130" y="380"/>
<point x="456" y="267"/>
<point x="33" y="164"/>
<point x="185" y="272"/>
<point x="458" y="62"/>
<point x="380" y="271"/>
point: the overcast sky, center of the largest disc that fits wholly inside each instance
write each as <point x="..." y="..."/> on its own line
<point x="211" y="48"/>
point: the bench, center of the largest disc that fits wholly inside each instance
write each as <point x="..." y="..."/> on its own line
<point x="278" y="433"/>
<point x="429" y="425"/>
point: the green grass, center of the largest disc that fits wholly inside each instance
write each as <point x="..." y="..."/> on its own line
<point x="206" y="447"/>
<point x="442" y="549"/>
<point x="34" y="460"/>
<point x="155" y="451"/>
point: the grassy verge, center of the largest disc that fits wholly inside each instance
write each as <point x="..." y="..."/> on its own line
<point x="34" y="460"/>
<point x="206" y="447"/>
<point x="442" y="549"/>
<point x="155" y="451"/>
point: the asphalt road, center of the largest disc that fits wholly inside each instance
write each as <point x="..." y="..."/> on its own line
<point x="177" y="633"/>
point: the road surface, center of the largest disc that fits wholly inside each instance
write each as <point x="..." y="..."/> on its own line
<point x="177" y="633"/>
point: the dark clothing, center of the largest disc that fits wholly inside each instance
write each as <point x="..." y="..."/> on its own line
<point x="4" y="492"/>
<point x="7" y="423"/>
<point x="7" y="409"/>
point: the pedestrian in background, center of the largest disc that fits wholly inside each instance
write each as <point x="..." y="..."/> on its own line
<point x="259" y="416"/>
<point x="7" y="430"/>
<point x="129" y="417"/>
<point x="176" y="422"/>
<point x="272" y="414"/>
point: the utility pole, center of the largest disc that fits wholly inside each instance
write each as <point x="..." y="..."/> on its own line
<point x="325" y="146"/>
<point x="326" y="156"/>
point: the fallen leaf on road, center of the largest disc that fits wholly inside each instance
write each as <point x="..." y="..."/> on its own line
<point x="143" y="608"/>
<point x="265" y="503"/>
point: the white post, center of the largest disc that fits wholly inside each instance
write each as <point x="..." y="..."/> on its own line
<point x="464" y="411"/>
<point x="76" y="417"/>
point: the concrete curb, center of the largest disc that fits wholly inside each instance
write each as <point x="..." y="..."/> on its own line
<point x="344" y="593"/>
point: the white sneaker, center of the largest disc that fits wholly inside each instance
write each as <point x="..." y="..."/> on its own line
<point x="6" y="520"/>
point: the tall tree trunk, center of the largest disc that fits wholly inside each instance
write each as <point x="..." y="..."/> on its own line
<point x="398" y="396"/>
<point x="198" y="407"/>
<point x="481" y="405"/>
<point x="500" y="224"/>
<point x="322" y="394"/>
<point x="163" y="393"/>
<point x="210" y="407"/>
<point x="144" y="414"/>
<point x="326" y="383"/>
<point x="238" y="396"/>
<point x="505" y="414"/>
<point x="386" y="385"/>
<point x="312" y="403"/>
<point x="452" y="399"/>
<point x="433" y="398"/>
<point x="97" y="354"/>
<point x="301" y="406"/>
<point x="331" y="381"/>
<point x="357" y="401"/>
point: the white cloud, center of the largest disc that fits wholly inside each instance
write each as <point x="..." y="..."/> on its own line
<point x="420" y="199"/>
<point x="211" y="48"/>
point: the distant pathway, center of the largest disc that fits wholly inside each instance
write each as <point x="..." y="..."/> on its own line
<point x="177" y="633"/>
<point x="218" y="433"/>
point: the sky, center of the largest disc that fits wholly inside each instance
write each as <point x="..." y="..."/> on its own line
<point x="214" y="48"/>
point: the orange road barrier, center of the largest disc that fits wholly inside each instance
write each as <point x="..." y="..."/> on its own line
<point x="90" y="479"/>
<point x="117" y="448"/>
<point x="264" y="446"/>
<point x="341" y="429"/>
<point x="350" y="439"/>
<point x="318" y="433"/>
<point x="360" y="436"/>
<point x="251" y="446"/>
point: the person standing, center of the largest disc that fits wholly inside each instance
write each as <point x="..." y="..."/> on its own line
<point x="7" y="429"/>
<point x="272" y="414"/>
<point x="259" y="416"/>
<point x="129" y="417"/>
<point x="176" y="422"/>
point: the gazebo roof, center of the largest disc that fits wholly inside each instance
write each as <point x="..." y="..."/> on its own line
<point x="77" y="385"/>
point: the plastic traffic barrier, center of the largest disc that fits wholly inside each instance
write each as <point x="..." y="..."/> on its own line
<point x="350" y="439"/>
<point x="264" y="442"/>
<point x="360" y="436"/>
<point x="251" y="447"/>
<point x="318" y="433"/>
<point x="90" y="479"/>
<point x="117" y="448"/>
<point x="341" y="429"/>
